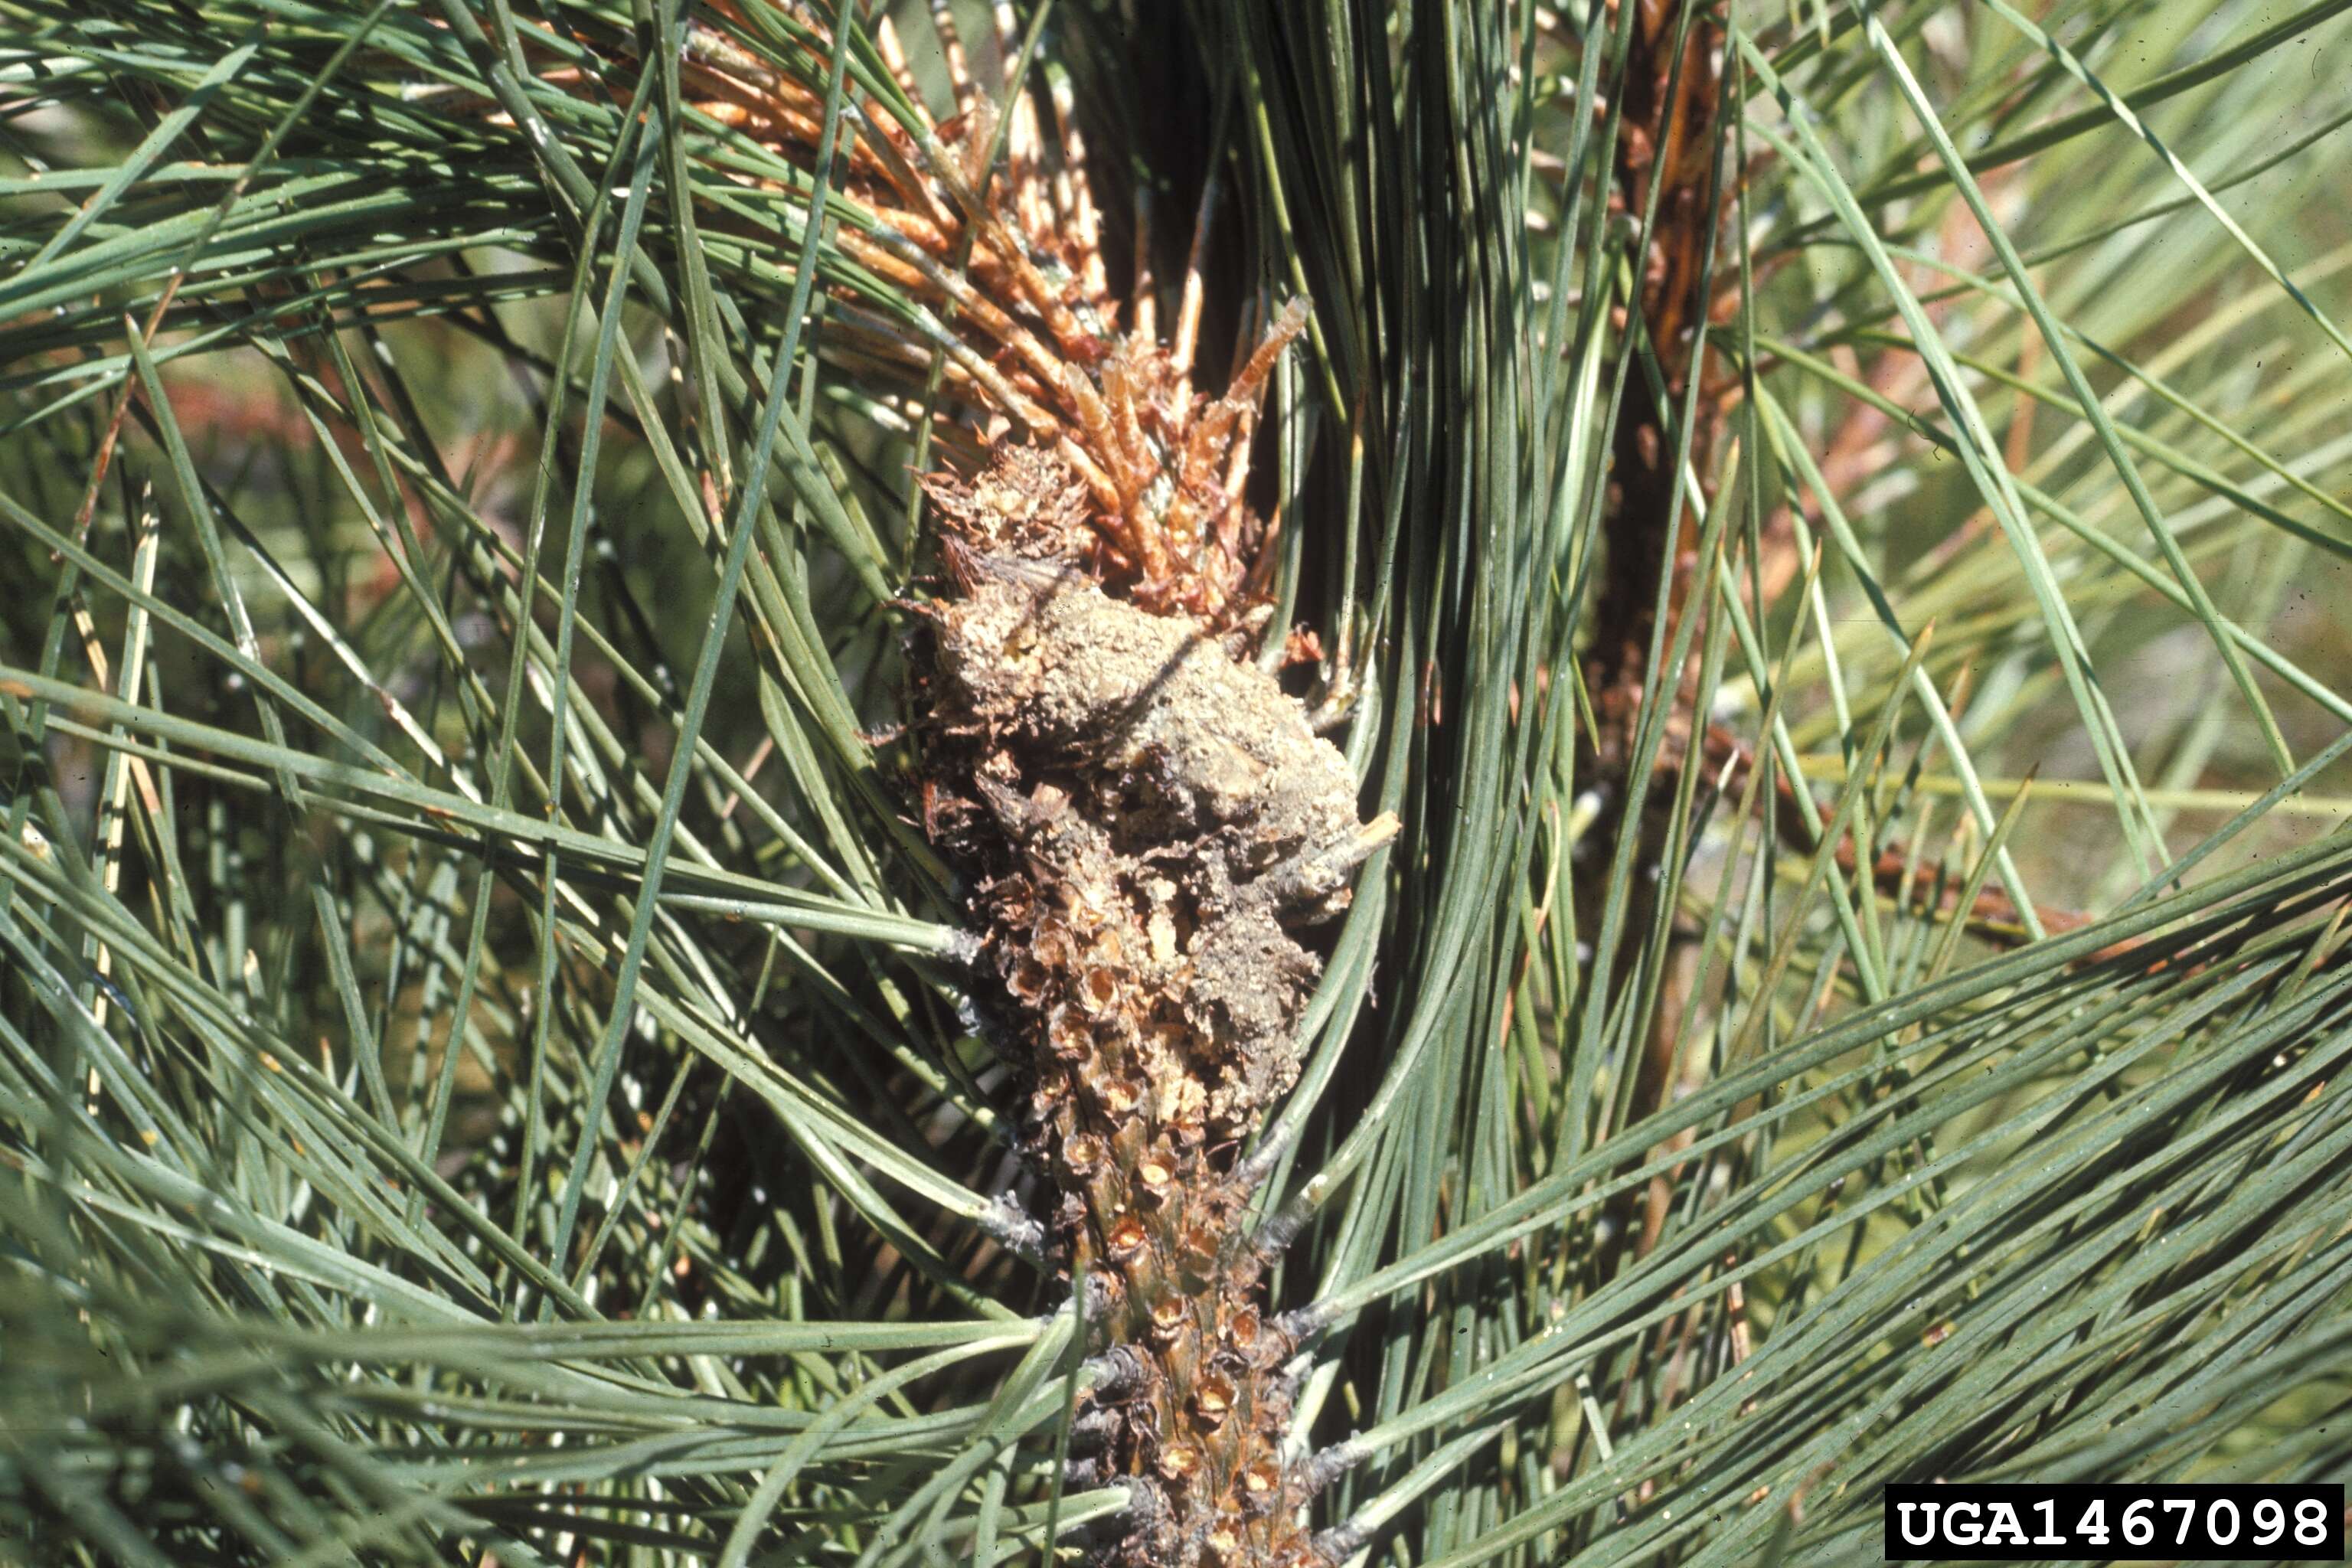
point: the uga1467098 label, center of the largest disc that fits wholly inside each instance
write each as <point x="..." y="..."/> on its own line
<point x="2029" y="1522"/>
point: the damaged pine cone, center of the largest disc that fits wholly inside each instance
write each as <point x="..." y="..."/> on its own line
<point x="1150" y="825"/>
